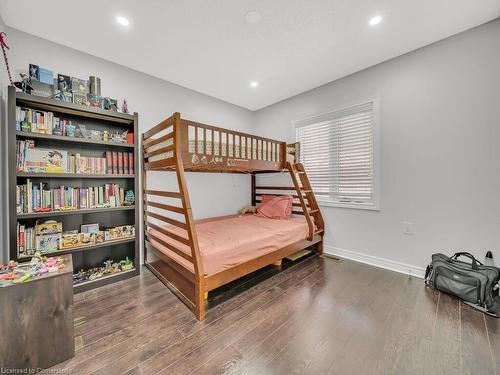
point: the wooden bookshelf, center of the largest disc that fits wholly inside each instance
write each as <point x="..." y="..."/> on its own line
<point x="87" y="256"/>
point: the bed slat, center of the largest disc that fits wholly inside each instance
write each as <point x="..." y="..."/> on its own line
<point x="163" y="206"/>
<point x="166" y="232"/>
<point x="167" y="194"/>
<point x="158" y="128"/>
<point x="165" y="219"/>
<point x="148" y="143"/>
<point x="159" y="164"/>
<point x="177" y="251"/>
<point x="159" y="151"/>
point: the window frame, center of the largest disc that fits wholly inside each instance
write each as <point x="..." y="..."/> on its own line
<point x="374" y="204"/>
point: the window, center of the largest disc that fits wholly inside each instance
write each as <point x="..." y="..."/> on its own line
<point x="338" y="150"/>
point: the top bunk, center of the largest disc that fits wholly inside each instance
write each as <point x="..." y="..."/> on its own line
<point x="197" y="147"/>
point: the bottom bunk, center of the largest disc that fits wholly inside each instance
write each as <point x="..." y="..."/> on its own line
<point x="230" y="247"/>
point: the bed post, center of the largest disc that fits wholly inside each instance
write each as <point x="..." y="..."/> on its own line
<point x="188" y="216"/>
<point x="254" y="182"/>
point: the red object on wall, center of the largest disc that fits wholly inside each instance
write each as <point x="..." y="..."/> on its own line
<point x="130" y="138"/>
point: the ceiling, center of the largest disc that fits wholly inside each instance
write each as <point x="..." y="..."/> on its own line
<point x="208" y="46"/>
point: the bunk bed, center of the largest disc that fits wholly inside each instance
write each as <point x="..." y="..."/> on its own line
<point x="193" y="258"/>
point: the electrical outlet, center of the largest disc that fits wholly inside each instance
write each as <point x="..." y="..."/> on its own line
<point x="407" y="227"/>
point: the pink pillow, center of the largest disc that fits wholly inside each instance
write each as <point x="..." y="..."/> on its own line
<point x="275" y="207"/>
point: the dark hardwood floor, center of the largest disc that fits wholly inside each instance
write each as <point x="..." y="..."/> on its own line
<point x="317" y="316"/>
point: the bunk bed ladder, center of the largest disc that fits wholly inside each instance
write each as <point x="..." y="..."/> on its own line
<point x="188" y="217"/>
<point x="307" y="200"/>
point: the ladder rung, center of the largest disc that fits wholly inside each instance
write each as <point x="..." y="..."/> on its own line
<point x="312" y="211"/>
<point x="319" y="231"/>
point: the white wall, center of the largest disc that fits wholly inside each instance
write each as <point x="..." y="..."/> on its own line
<point x="440" y="150"/>
<point x="154" y="100"/>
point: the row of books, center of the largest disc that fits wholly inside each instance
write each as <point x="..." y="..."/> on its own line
<point x="36" y="121"/>
<point x="49" y="237"/>
<point x="39" y="198"/>
<point x="118" y="162"/>
<point x="48" y="160"/>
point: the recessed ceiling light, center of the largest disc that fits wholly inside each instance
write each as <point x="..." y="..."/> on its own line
<point x="122" y="21"/>
<point x="254" y="84"/>
<point x="253" y="17"/>
<point x="375" y="20"/>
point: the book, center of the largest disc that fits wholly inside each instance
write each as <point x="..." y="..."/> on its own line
<point x="45" y="160"/>
<point x="115" y="162"/>
<point x="130" y="157"/>
<point x="125" y="163"/>
<point x="47" y="243"/>
<point x="120" y="162"/>
<point x="109" y="162"/>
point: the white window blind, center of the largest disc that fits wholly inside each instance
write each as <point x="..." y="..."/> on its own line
<point x="337" y="150"/>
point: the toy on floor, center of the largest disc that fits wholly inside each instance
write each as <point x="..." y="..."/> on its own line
<point x="248" y="209"/>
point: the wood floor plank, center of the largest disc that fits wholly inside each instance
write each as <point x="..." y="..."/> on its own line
<point x="445" y="345"/>
<point x="495" y="350"/>
<point x="476" y="354"/>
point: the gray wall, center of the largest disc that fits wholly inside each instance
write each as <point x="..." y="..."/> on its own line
<point x="440" y="153"/>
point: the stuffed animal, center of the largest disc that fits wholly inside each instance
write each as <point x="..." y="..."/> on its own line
<point x="248" y="209"/>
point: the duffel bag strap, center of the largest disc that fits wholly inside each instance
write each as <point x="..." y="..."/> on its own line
<point x="475" y="262"/>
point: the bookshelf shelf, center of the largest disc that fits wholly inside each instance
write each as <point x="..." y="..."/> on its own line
<point x="67" y="139"/>
<point x="32" y="215"/>
<point x="91" y="284"/>
<point x="73" y="175"/>
<point x="89" y="256"/>
<point x="85" y="247"/>
<point x="46" y="104"/>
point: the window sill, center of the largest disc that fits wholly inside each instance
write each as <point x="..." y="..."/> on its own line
<point x="358" y="206"/>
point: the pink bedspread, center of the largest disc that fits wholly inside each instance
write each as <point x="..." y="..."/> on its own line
<point x="231" y="240"/>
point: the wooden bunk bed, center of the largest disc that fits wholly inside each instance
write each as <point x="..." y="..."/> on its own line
<point x="171" y="246"/>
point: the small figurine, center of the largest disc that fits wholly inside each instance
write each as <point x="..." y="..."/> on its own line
<point x="105" y="136"/>
<point x="129" y="198"/>
<point x="25" y="84"/>
<point x="124" y="106"/>
<point x="126" y="264"/>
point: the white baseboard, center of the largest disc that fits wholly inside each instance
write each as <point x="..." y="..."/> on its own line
<point x="375" y="261"/>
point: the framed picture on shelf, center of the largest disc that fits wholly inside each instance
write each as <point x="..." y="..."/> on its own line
<point x="79" y="98"/>
<point x="79" y="86"/>
<point x="64" y="83"/>
<point x="34" y="72"/>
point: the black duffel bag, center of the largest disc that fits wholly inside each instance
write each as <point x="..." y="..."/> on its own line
<point x="474" y="283"/>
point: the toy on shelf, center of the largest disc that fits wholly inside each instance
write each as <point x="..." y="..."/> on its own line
<point x="129" y="198"/>
<point x="109" y="268"/>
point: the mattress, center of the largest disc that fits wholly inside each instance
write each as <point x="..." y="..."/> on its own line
<point x="231" y="240"/>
